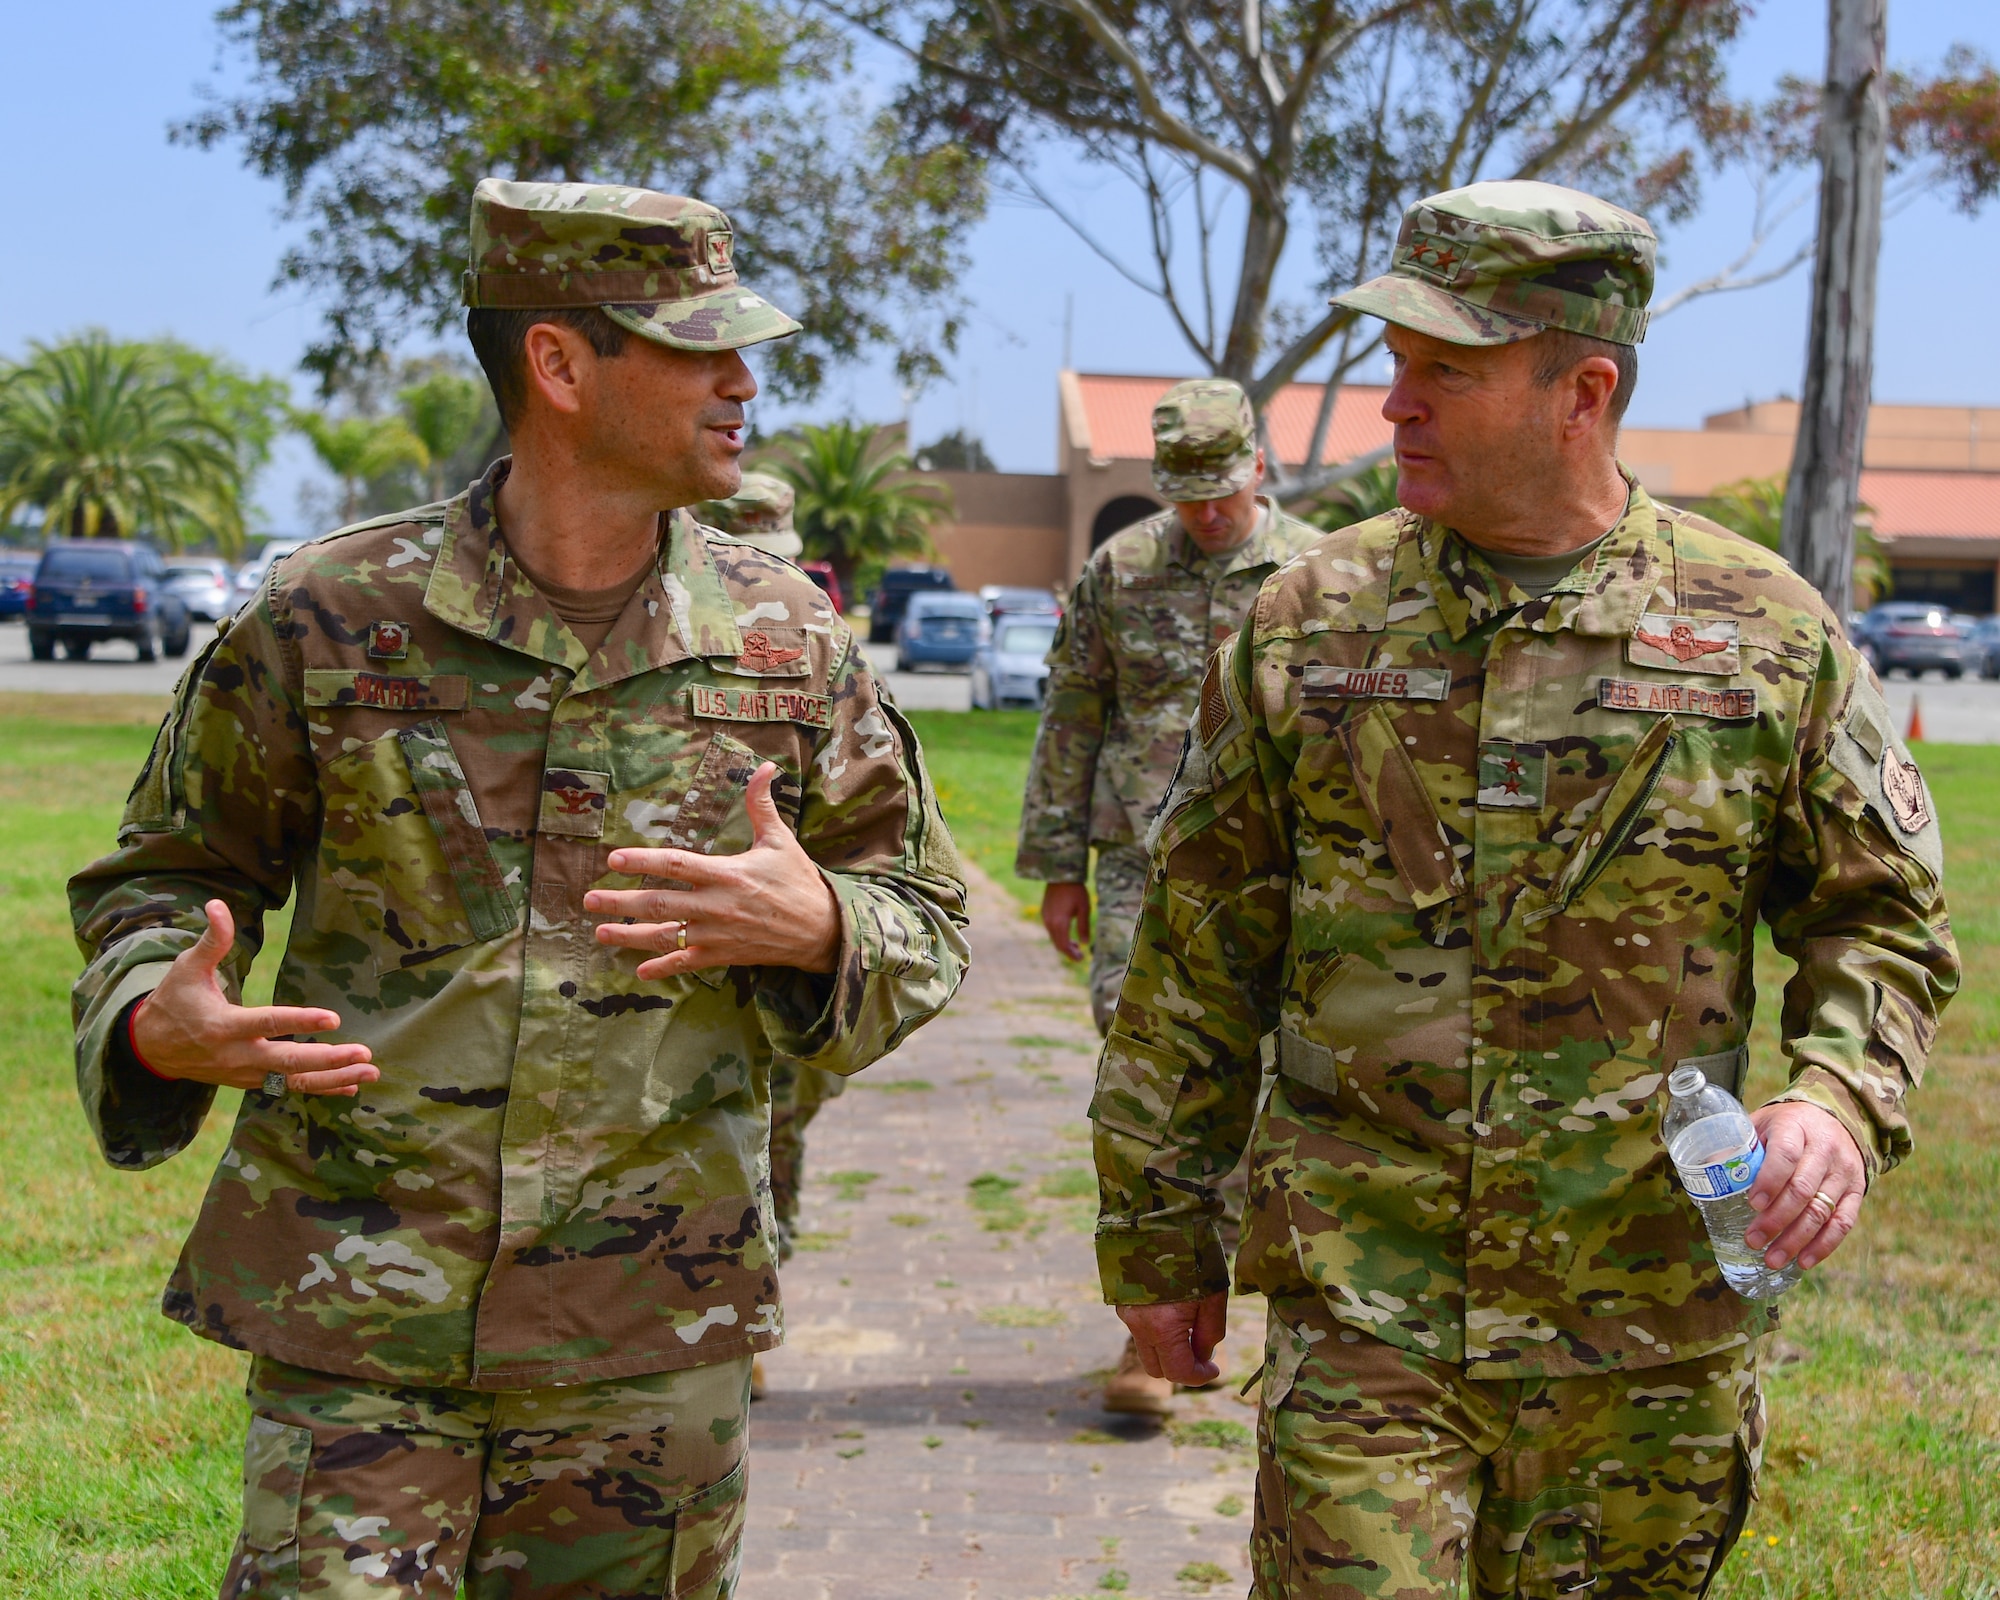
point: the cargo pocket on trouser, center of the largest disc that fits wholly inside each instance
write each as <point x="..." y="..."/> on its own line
<point x="1285" y="1351"/>
<point x="1749" y="1463"/>
<point x="708" y="1540"/>
<point x="266" y="1564"/>
<point x="1559" y="1552"/>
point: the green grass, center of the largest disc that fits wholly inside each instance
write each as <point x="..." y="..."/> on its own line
<point x="119" y="1432"/>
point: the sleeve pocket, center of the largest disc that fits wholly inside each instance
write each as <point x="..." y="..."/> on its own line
<point x="708" y="1540"/>
<point x="275" y="1456"/>
<point x="1137" y="1085"/>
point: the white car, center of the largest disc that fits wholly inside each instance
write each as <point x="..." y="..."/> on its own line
<point x="251" y="575"/>
<point x="1012" y="665"/>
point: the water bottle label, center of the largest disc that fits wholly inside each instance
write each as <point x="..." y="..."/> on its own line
<point x="1723" y="1178"/>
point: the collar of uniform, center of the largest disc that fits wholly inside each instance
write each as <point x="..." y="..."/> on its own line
<point x="1604" y="598"/>
<point x="1256" y="551"/>
<point x="475" y="587"/>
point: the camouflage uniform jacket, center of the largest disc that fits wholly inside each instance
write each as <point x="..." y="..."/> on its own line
<point x="1492" y="866"/>
<point x="561" y="1176"/>
<point x="1123" y="671"/>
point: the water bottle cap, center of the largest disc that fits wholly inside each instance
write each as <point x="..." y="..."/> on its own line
<point x="1685" y="1081"/>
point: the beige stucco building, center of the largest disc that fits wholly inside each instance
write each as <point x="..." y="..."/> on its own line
<point x="1931" y="479"/>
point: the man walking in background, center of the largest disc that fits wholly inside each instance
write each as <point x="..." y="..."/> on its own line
<point x="1124" y="670"/>
<point x="577" y="846"/>
<point x="1480" y="813"/>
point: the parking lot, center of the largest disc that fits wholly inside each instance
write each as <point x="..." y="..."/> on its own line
<point x="1962" y="712"/>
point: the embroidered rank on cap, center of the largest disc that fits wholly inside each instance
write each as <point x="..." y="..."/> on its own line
<point x="1682" y="699"/>
<point x="1379" y="683"/>
<point x="573" y="802"/>
<point x="1512" y="775"/>
<point x="721" y="253"/>
<point x="1903" y="788"/>
<point x="1696" y="644"/>
<point x="761" y="705"/>
<point x="388" y="641"/>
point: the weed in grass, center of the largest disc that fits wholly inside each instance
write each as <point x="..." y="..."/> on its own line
<point x="817" y="1240"/>
<point x="1202" y="1575"/>
<point x="1211" y="1433"/>
<point x="1094" y="1436"/>
<point x="1229" y="1506"/>
<point x="1043" y="1041"/>
<point x="909" y="1219"/>
<point x="851" y="1185"/>
<point x="895" y="1085"/>
<point x="992" y="1196"/>
<point x="1072" y="1183"/>
<point x="1012" y="1316"/>
<point x="1116" y="1580"/>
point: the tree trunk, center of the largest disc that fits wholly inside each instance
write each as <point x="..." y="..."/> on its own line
<point x="1820" y="496"/>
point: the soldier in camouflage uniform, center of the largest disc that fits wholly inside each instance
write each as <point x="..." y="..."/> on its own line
<point x="568" y="872"/>
<point x="1480" y="812"/>
<point x="760" y="514"/>
<point x="1151" y="604"/>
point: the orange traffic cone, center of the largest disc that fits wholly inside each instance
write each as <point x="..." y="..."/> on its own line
<point x="1915" y="732"/>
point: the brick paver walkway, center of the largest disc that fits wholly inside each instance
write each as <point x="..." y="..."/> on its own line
<point x="932" y="1426"/>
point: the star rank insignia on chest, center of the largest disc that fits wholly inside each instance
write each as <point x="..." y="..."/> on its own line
<point x="388" y="641"/>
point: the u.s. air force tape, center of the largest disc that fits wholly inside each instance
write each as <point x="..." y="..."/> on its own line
<point x="1381" y="683"/>
<point x="761" y="705"/>
<point x="1682" y="699"/>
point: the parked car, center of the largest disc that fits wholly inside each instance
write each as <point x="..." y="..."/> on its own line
<point x="1003" y="600"/>
<point x="17" y="582"/>
<point x="822" y="573"/>
<point x="1910" y="636"/>
<point x="1013" y="662"/>
<point x="892" y="594"/>
<point x="204" y="588"/>
<point x="940" y="630"/>
<point x="90" y="590"/>
<point x="1984" y="641"/>
<point x="251" y="575"/>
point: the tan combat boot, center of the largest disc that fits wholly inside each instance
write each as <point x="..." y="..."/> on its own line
<point x="756" y="1377"/>
<point x="1131" y="1391"/>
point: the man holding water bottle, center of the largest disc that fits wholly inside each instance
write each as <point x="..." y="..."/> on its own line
<point x="1480" y="812"/>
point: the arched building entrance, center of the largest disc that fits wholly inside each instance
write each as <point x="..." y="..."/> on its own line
<point x="1117" y="515"/>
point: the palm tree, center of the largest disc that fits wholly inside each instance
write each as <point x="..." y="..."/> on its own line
<point x="443" y="409"/>
<point x="1754" y="507"/>
<point x="1356" y="499"/>
<point x="355" y="449"/>
<point x="859" y="507"/>
<point x="107" y="440"/>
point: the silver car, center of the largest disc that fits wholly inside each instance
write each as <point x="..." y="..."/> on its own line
<point x="203" y="586"/>
<point x="251" y="575"/>
<point x="1012" y="665"/>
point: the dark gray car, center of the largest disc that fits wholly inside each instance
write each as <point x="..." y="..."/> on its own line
<point x="1913" y="636"/>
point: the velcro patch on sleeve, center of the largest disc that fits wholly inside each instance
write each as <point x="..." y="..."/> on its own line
<point x="1681" y="699"/>
<point x="761" y="705"/>
<point x="383" y="691"/>
<point x="1378" y="683"/>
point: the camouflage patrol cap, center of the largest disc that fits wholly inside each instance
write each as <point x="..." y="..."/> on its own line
<point x="1204" y="440"/>
<point x="760" y="513"/>
<point x="1495" y="263"/>
<point x="660" y="264"/>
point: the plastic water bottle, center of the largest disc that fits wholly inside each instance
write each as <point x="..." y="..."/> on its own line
<point x="1715" y="1147"/>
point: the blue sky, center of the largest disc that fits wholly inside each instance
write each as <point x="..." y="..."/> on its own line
<point x="116" y="227"/>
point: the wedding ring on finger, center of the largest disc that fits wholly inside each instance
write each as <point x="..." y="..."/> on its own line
<point x="680" y="937"/>
<point x="1821" y="1197"/>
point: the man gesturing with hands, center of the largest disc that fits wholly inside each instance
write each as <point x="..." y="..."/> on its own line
<point x="584" y="811"/>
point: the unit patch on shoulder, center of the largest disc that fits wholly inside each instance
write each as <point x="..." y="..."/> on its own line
<point x="1682" y="699"/>
<point x="1903" y="788"/>
<point x="761" y="705"/>
<point x="388" y="641"/>
<point x="1695" y="644"/>
<point x="1380" y="683"/>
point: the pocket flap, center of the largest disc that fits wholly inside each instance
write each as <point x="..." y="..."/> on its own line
<point x="1137" y="1085"/>
<point x="275" y="1457"/>
<point x="384" y="691"/>
<point x="1402" y="808"/>
<point x="708" y="1540"/>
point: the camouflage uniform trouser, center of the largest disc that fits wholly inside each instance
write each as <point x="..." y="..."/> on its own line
<point x="1378" y="1469"/>
<point x="797" y="1093"/>
<point x="630" y="1487"/>
<point x="1120" y="881"/>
